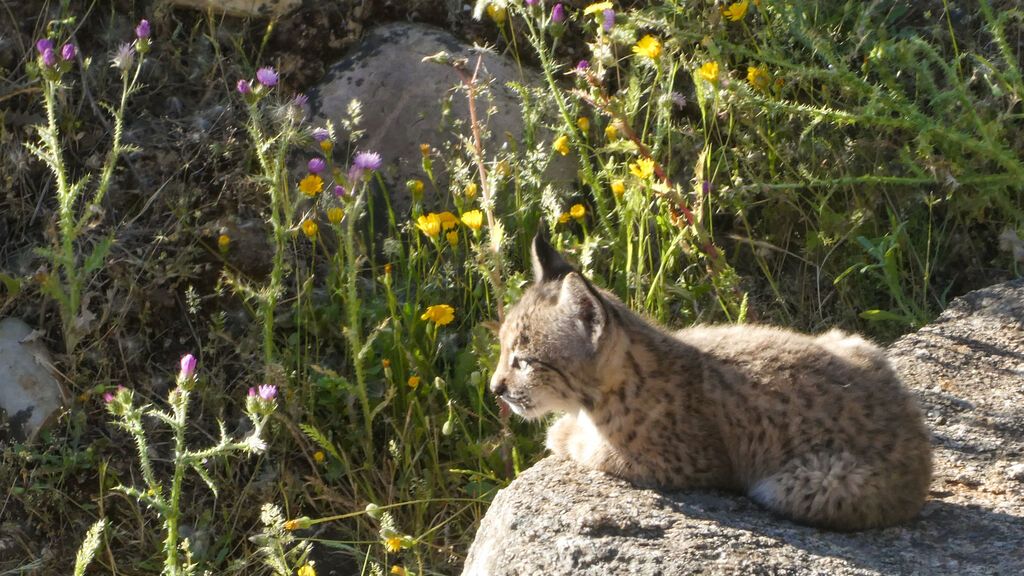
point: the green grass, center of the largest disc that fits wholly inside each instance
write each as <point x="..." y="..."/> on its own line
<point x="849" y="164"/>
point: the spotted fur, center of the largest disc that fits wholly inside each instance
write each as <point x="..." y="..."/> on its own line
<point x="816" y="428"/>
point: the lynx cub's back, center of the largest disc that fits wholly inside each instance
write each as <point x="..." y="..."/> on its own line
<point x="817" y="428"/>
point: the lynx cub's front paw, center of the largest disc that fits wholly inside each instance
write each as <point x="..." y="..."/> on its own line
<point x="559" y="435"/>
<point x="574" y="436"/>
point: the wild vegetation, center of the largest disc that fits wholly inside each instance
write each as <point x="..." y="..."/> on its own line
<point x="795" y="162"/>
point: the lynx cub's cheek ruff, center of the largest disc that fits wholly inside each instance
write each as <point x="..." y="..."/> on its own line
<point x="817" y="428"/>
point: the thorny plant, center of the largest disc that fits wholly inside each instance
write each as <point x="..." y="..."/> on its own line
<point x="79" y="201"/>
<point x="165" y="498"/>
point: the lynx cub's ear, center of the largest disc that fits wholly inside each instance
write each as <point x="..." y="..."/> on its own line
<point x="583" y="304"/>
<point x="548" y="264"/>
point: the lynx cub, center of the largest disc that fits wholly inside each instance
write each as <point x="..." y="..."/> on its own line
<point x="817" y="428"/>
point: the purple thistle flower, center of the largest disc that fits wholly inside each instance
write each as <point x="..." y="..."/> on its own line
<point x="108" y="397"/>
<point x="316" y="165"/>
<point x="706" y="187"/>
<point x="678" y="99"/>
<point x="531" y="2"/>
<point x="300" y="100"/>
<point x="142" y="30"/>
<point x="609" y="19"/>
<point x="244" y="87"/>
<point x="367" y="161"/>
<point x="123" y="57"/>
<point x="267" y="77"/>
<point x="44" y="44"/>
<point x="321" y="134"/>
<point x="68" y="52"/>
<point x="339" y="190"/>
<point x="558" y="14"/>
<point x="49" y="58"/>
<point x="582" y="65"/>
<point x="188" y="367"/>
<point x="265" y="391"/>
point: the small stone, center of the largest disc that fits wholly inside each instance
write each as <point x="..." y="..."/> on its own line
<point x="1016" y="472"/>
<point x="29" y="392"/>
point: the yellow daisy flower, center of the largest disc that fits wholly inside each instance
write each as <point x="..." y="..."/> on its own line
<point x="440" y="314"/>
<point x="758" y="77"/>
<point x="327" y="146"/>
<point x="453" y="237"/>
<point x="311" y="185"/>
<point x="611" y="132"/>
<point x="577" y="211"/>
<point x="309" y="228"/>
<point x="648" y="47"/>
<point x="429" y="224"/>
<point x="709" y="72"/>
<point x="223" y="241"/>
<point x="561" y="145"/>
<point x="470" y="190"/>
<point x="398" y="571"/>
<point x="425" y="149"/>
<point x="597" y="8"/>
<point x="415" y="187"/>
<point x="564" y="218"/>
<point x="306" y="570"/>
<point x="618" y="188"/>
<point x="319" y="456"/>
<point x="413" y="382"/>
<point x="473" y="219"/>
<point x="448" y="220"/>
<point x="643" y="168"/>
<point x="393" y="544"/>
<point x="335" y="215"/>
<point x="583" y="123"/>
<point x="736" y="11"/>
<point x="497" y="13"/>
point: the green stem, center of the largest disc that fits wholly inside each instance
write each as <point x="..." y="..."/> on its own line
<point x="171" y="567"/>
<point x="355" y="337"/>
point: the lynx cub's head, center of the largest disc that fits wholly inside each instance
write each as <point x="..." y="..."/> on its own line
<point x="550" y="341"/>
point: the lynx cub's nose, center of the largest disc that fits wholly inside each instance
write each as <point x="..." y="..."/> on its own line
<point x="498" y="386"/>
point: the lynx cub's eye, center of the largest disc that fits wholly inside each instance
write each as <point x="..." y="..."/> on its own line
<point x="518" y="363"/>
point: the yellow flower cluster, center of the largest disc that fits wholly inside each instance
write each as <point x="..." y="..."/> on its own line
<point x="439" y="314"/>
<point x="433" y="224"/>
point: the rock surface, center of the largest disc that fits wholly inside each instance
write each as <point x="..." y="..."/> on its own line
<point x="242" y="8"/>
<point x="402" y="100"/>
<point x="967" y="370"/>
<point x="29" y="392"/>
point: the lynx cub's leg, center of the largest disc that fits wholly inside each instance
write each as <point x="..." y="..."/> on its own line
<point x="574" y="436"/>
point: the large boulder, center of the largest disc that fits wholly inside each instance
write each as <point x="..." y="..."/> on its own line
<point x="967" y="370"/>
<point x="403" y="101"/>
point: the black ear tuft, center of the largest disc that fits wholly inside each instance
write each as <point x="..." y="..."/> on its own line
<point x="548" y="264"/>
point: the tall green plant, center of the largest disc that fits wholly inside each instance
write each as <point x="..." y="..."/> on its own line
<point x="79" y="201"/>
